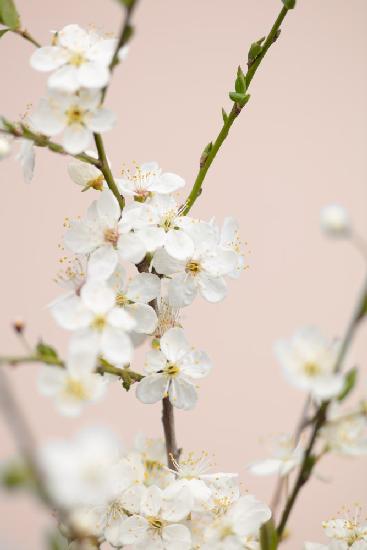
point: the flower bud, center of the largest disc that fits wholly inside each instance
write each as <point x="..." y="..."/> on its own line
<point x="85" y="174"/>
<point x="4" y="148"/>
<point x="18" y="326"/>
<point x="335" y="221"/>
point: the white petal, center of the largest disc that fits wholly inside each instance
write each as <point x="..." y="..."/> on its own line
<point x="143" y="288"/>
<point x="145" y="317"/>
<point x="265" y="467"/>
<point x="213" y="289"/>
<point x="93" y="75"/>
<point x="154" y="361"/>
<point x="101" y="120"/>
<point x="196" y="364"/>
<point x="176" y="504"/>
<point x="131" y="248"/>
<point x="50" y="380"/>
<point x="120" y="318"/>
<point x="166" y="265"/>
<point x="133" y="530"/>
<point x="27" y="158"/>
<point x="73" y="37"/>
<point x="182" y="394"/>
<point x="47" y="119"/>
<point x="167" y="183"/>
<point x="102" y="51"/>
<point x="108" y="208"/>
<point x="174" y="344"/>
<point x="102" y="263"/>
<point x="116" y="346"/>
<point x="97" y="296"/>
<point x="47" y="58"/>
<point x="151" y="501"/>
<point x="152" y="237"/>
<point x="176" y="537"/>
<point x="76" y="139"/>
<point x="326" y="387"/>
<point x="82" y="238"/>
<point x="152" y="388"/>
<point x="64" y="79"/>
<point x="179" y="245"/>
<point x="82" y="172"/>
<point x="221" y="263"/>
<point x="70" y="313"/>
<point x="182" y="290"/>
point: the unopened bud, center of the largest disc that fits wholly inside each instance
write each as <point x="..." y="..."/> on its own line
<point x="18" y="326"/>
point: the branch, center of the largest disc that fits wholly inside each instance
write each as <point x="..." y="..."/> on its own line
<point x="308" y="462"/>
<point x="27" y="36"/>
<point x="39" y="140"/>
<point x="229" y="119"/>
<point x="106" y="171"/>
<point x="168" y="421"/>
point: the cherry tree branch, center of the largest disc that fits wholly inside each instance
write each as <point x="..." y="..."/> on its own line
<point x="236" y="110"/>
<point x="320" y="418"/>
<point x="27" y="36"/>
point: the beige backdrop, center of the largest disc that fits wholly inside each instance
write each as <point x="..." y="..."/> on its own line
<point x="300" y="144"/>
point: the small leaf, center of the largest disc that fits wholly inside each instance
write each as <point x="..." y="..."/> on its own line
<point x="363" y="311"/>
<point x="15" y="475"/>
<point x="224" y="116"/>
<point x="350" y="382"/>
<point x="3" y="31"/>
<point x="9" y="15"/>
<point x="205" y="153"/>
<point x="289" y="4"/>
<point x="46" y="351"/>
<point x="255" y="50"/>
<point x="240" y="99"/>
<point x="268" y="536"/>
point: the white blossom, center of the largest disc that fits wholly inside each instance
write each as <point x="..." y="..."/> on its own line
<point x="345" y="433"/>
<point x="335" y="221"/>
<point x="202" y="272"/>
<point x="99" y="324"/>
<point x="75" y="385"/>
<point x="172" y="370"/>
<point x="308" y="362"/>
<point x="134" y="297"/>
<point x="230" y="240"/>
<point x="285" y="457"/>
<point x="5" y="147"/>
<point x="78" y="59"/>
<point x="147" y="180"/>
<point x="78" y="116"/>
<point x="157" y="526"/>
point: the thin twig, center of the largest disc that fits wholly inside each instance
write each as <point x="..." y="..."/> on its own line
<point x="106" y="171"/>
<point x="27" y="36"/>
<point x="236" y="109"/>
<point x="168" y="421"/>
<point x="321" y="415"/>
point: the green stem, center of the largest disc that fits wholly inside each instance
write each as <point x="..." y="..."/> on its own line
<point x="39" y="140"/>
<point x="105" y="169"/>
<point x="321" y="415"/>
<point x="236" y="109"/>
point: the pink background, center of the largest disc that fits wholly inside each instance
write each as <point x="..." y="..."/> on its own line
<point x="300" y="144"/>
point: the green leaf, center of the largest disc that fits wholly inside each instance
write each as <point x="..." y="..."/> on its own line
<point x="46" y="351"/>
<point x="268" y="536"/>
<point x="224" y="116"/>
<point x="3" y="31"/>
<point x="289" y="4"/>
<point x="363" y="310"/>
<point x="254" y="51"/>
<point x="205" y="153"/>
<point x="15" y="475"/>
<point x="350" y="382"/>
<point x="9" y="15"/>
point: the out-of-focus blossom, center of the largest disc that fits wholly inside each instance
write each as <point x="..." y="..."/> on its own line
<point x="285" y="457"/>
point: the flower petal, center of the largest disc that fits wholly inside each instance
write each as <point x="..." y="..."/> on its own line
<point x="167" y="183"/>
<point x="174" y="344"/>
<point x="143" y="288"/>
<point x="76" y="139"/>
<point x="47" y="58"/>
<point x="196" y="364"/>
<point x="178" y="244"/>
<point x="116" y="346"/>
<point x="131" y="248"/>
<point x="102" y="263"/>
<point x="97" y="296"/>
<point x="182" y="290"/>
<point x="182" y="394"/>
<point x="101" y="120"/>
<point x="152" y="388"/>
<point x="155" y="361"/>
<point x="145" y="317"/>
<point x="93" y="75"/>
<point x="213" y="289"/>
<point x="64" y="79"/>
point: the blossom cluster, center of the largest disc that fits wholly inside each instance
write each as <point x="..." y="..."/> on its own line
<point x="344" y="533"/>
<point x="131" y="498"/>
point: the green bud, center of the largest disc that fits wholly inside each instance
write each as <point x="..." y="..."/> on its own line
<point x="3" y="31"/>
<point x="46" y="351"/>
<point x="205" y="153"/>
<point x="224" y="116"/>
<point x="254" y="51"/>
<point x="240" y="84"/>
<point x="268" y="536"/>
<point x="349" y="384"/>
<point x="9" y="15"/>
<point x="289" y="4"/>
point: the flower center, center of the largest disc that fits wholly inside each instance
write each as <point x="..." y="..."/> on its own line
<point x="76" y="59"/>
<point x="193" y="267"/>
<point x="311" y="369"/>
<point x="225" y="532"/>
<point x="96" y="184"/>
<point x="155" y="522"/>
<point x="99" y="323"/>
<point x="115" y="511"/>
<point x="121" y="299"/>
<point x="111" y="236"/>
<point x="74" y="388"/>
<point x="75" y="115"/>
<point x="172" y="370"/>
